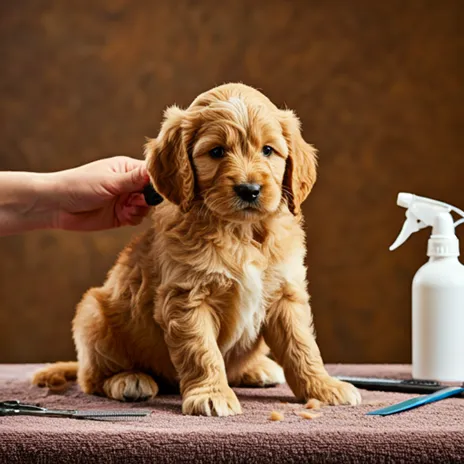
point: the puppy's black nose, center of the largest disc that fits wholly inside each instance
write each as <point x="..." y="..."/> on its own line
<point x="248" y="192"/>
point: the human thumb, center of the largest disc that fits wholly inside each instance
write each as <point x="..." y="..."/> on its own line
<point x="133" y="181"/>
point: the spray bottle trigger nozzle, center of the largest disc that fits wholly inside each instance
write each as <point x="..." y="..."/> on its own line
<point x="411" y="225"/>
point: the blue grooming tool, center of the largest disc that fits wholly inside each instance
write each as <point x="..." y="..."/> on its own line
<point x="418" y="401"/>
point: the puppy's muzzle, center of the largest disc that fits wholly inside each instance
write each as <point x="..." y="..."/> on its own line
<point x="248" y="192"/>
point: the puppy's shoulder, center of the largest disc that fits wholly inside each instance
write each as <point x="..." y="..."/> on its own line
<point x="286" y="250"/>
<point x="284" y="234"/>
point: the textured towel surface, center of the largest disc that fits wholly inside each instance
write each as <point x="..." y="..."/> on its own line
<point x="433" y="433"/>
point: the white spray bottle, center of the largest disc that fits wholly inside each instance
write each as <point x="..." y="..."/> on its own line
<point x="437" y="292"/>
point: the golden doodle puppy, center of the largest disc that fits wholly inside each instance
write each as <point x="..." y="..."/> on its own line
<point x="219" y="277"/>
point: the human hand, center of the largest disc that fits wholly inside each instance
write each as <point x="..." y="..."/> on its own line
<point x="100" y="195"/>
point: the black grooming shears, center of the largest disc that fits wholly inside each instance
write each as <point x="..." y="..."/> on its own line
<point x="16" y="408"/>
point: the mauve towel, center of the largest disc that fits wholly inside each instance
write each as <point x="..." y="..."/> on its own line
<point x="433" y="433"/>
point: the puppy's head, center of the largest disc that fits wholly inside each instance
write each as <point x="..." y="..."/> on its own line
<point x="233" y="151"/>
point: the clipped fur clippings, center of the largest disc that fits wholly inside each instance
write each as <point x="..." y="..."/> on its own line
<point x="276" y="416"/>
<point x="308" y="415"/>
<point x="313" y="404"/>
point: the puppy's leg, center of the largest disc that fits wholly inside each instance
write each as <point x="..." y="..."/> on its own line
<point x="191" y="338"/>
<point x="257" y="371"/>
<point x="288" y="332"/>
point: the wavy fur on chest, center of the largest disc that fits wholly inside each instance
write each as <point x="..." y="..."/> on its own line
<point x="239" y="270"/>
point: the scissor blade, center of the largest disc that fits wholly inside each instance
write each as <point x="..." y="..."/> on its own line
<point x="91" y="413"/>
<point x="115" y="414"/>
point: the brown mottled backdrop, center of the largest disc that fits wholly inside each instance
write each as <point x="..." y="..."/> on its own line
<point x="378" y="86"/>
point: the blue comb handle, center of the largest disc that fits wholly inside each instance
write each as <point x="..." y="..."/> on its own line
<point x="418" y="401"/>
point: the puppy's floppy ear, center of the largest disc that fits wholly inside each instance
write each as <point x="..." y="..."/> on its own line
<point x="300" y="170"/>
<point x="168" y="161"/>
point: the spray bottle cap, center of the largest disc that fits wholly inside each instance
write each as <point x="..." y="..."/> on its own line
<point x="424" y="212"/>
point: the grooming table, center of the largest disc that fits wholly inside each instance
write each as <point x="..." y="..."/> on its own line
<point x="433" y="433"/>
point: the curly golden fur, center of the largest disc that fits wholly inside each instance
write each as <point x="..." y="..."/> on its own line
<point x="196" y="300"/>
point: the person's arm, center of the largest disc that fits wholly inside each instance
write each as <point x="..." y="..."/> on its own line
<point x="23" y="201"/>
<point x="96" y="196"/>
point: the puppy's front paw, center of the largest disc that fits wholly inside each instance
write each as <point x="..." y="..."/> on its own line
<point x="333" y="391"/>
<point x="211" y="401"/>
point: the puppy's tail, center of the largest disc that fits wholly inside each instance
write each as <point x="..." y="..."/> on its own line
<point x="56" y="377"/>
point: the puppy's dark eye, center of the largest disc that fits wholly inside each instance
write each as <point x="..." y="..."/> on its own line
<point x="267" y="150"/>
<point x="217" y="152"/>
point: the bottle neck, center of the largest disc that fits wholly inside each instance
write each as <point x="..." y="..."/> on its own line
<point x="443" y="241"/>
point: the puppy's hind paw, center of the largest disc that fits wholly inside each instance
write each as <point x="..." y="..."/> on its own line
<point x="130" y="386"/>
<point x="209" y="401"/>
<point x="56" y="377"/>
<point x="263" y="373"/>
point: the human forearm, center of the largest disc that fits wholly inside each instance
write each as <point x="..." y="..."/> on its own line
<point x="26" y="201"/>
